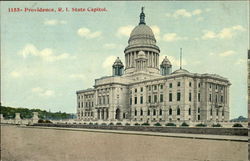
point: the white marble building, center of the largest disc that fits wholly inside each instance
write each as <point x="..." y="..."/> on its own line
<point x="143" y="90"/>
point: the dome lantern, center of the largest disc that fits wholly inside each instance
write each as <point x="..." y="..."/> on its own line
<point x="166" y="66"/>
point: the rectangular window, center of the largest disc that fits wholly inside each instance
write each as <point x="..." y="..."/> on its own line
<point x="141" y="89"/>
<point x="149" y="88"/>
<point x="135" y="90"/>
<point x="86" y="104"/>
<point x="149" y="99"/>
<point x="221" y="99"/>
<point x="199" y="85"/>
<point x="92" y="104"/>
<point x="210" y="97"/>
<point x="130" y="101"/>
<point x="216" y="98"/>
<point x="155" y="98"/>
<point x="155" y="87"/>
<point x="108" y="99"/>
<point x="190" y="84"/>
<point x="170" y="97"/>
<point x="170" y="85"/>
<point x="135" y="100"/>
<point x="179" y="84"/>
<point x="210" y="85"/>
<point x="78" y="104"/>
<point x="141" y="99"/>
<point x="199" y="97"/>
<point x="161" y="98"/>
<point x="190" y="97"/>
<point x="178" y="96"/>
<point x="161" y="86"/>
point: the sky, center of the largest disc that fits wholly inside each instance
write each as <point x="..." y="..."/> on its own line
<point x="47" y="56"/>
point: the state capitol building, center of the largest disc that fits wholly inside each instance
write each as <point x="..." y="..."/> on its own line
<point x="146" y="90"/>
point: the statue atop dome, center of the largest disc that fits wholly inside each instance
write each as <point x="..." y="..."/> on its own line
<point x="142" y="17"/>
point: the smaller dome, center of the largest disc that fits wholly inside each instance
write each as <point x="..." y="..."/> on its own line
<point x="118" y="62"/>
<point x="166" y="62"/>
<point x="180" y="71"/>
<point x="141" y="55"/>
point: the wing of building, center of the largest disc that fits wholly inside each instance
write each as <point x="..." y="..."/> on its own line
<point x="148" y="91"/>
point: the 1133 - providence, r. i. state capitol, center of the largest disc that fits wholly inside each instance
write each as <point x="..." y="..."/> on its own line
<point x="140" y="91"/>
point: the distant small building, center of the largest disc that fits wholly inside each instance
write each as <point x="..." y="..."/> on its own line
<point x="143" y="90"/>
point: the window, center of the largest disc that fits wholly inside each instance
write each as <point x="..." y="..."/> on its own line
<point x="190" y="97"/>
<point x="149" y="88"/>
<point x="149" y="99"/>
<point x="217" y="112"/>
<point x="148" y="112"/>
<point x="170" y="97"/>
<point x="82" y="104"/>
<point x="160" y="112"/>
<point x="170" y="85"/>
<point x="178" y="111"/>
<point x="216" y="87"/>
<point x="211" y="112"/>
<point x="161" y="98"/>
<point x="199" y="97"/>
<point x="135" y="112"/>
<point x="141" y="99"/>
<point x="178" y="96"/>
<point x="141" y="89"/>
<point x="141" y="112"/>
<point x="154" y="112"/>
<point x="130" y="101"/>
<point x="170" y="111"/>
<point x="135" y="90"/>
<point x="155" y="98"/>
<point x="179" y="84"/>
<point x="199" y="110"/>
<point x="199" y="117"/>
<point x="222" y="112"/>
<point x="199" y="85"/>
<point x="221" y="99"/>
<point x="79" y="104"/>
<point x="104" y="100"/>
<point x="86" y="104"/>
<point x="92" y="104"/>
<point x="161" y="86"/>
<point x="210" y="97"/>
<point x="135" y="100"/>
<point x="210" y="85"/>
<point x="190" y="84"/>
<point x="155" y="87"/>
<point x="108" y="99"/>
<point x="189" y="111"/>
<point x="124" y="115"/>
<point x="216" y="98"/>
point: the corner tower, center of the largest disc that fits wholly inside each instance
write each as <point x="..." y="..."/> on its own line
<point x="142" y="39"/>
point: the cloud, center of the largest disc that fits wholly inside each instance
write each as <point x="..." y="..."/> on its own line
<point x="54" y="22"/>
<point x="223" y="54"/>
<point x="225" y="33"/>
<point x="42" y="92"/>
<point x="87" y="33"/>
<point x="174" y="61"/>
<point x="46" y="54"/>
<point x="77" y="76"/>
<point x="156" y="31"/>
<point x="111" y="46"/>
<point x="124" y="31"/>
<point x="184" y="13"/>
<point x="173" y="37"/>
<point x="15" y="74"/>
<point x="108" y="62"/>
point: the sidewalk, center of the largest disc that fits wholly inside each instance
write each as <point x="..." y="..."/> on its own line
<point x="176" y="135"/>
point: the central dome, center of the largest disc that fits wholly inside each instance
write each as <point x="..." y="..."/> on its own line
<point x="142" y="30"/>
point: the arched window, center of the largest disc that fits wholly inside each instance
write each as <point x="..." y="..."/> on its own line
<point x="148" y="112"/>
<point x="170" y="111"/>
<point x="154" y="112"/>
<point x="160" y="112"/>
<point x="141" y="112"/>
<point x="189" y="111"/>
<point x="135" y="112"/>
<point x="178" y="111"/>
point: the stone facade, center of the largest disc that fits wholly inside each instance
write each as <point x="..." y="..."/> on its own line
<point x="144" y="92"/>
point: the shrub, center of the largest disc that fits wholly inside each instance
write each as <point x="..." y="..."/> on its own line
<point x="237" y="125"/>
<point x="47" y="121"/>
<point x="136" y="124"/>
<point x="201" y="125"/>
<point x="84" y="123"/>
<point x="170" y="124"/>
<point x="184" y="124"/>
<point x="40" y="121"/>
<point x="118" y="123"/>
<point x="103" y="124"/>
<point x="111" y="124"/>
<point x="90" y="123"/>
<point x="157" y="124"/>
<point x="145" y="124"/>
<point x="127" y="124"/>
<point x="96" y="123"/>
<point x="216" y="125"/>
